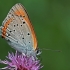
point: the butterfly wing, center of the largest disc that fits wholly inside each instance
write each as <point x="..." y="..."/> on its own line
<point x="17" y="29"/>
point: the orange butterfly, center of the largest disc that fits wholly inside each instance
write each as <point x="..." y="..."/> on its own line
<point x="18" y="31"/>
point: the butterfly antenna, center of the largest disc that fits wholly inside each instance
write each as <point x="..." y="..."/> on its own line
<point x="50" y="50"/>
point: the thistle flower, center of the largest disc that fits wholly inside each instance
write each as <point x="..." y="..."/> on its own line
<point x="20" y="62"/>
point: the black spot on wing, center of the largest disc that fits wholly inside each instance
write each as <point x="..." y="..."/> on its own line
<point x="23" y="16"/>
<point x="17" y="24"/>
<point x="23" y="38"/>
<point x="21" y="25"/>
<point x="23" y="22"/>
<point x="14" y="30"/>
<point x="10" y="31"/>
<point x="29" y="42"/>
<point x="14" y="25"/>
<point x="8" y="35"/>
<point x="28" y="34"/>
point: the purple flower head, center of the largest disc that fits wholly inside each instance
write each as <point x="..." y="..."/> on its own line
<point x="20" y="62"/>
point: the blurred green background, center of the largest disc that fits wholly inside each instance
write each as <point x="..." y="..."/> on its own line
<point x="51" y="21"/>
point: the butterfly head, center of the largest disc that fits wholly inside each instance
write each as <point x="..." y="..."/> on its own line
<point x="38" y="52"/>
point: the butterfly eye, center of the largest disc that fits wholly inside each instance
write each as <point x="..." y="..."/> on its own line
<point x="38" y="52"/>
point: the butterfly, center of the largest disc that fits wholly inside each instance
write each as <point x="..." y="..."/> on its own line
<point x="18" y="31"/>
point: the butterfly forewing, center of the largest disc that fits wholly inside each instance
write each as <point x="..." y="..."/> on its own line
<point x="17" y="29"/>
